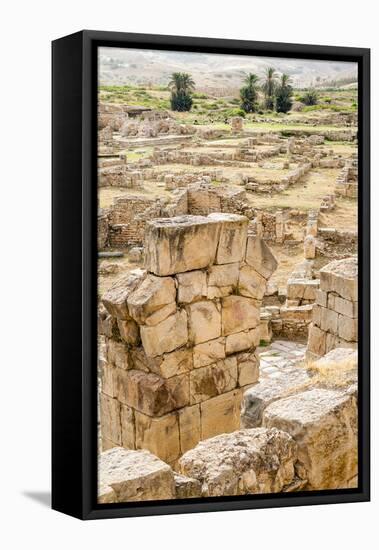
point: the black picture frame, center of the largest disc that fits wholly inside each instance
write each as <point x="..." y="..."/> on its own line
<point x="74" y="206"/>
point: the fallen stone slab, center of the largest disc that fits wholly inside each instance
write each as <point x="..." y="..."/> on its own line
<point x="261" y="395"/>
<point x="134" y="476"/>
<point x="246" y="461"/>
<point x="323" y="423"/>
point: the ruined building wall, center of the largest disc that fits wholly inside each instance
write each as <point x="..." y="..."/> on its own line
<point x="335" y="314"/>
<point x="179" y="338"/>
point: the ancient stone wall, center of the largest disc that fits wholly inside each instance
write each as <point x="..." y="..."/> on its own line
<point x="335" y="314"/>
<point x="180" y="337"/>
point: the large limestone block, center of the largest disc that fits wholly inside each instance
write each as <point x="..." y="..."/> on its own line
<point x="192" y="286"/>
<point x="243" y="462"/>
<point x="204" y="321"/>
<point x="170" y="334"/>
<point x="107" y="380"/>
<point x="145" y="304"/>
<point x="206" y="382"/>
<point x="324" y="424"/>
<point x="128" y="429"/>
<point x="232" y="240"/>
<point x="329" y="320"/>
<point x="222" y="280"/>
<point x="151" y="394"/>
<point x="115" y="299"/>
<point x="110" y="410"/>
<point x="242" y="341"/>
<point x="316" y="340"/>
<point x="184" y="243"/>
<point x="159" y="435"/>
<point x="348" y="328"/>
<point x="129" y="331"/>
<point x="189" y="427"/>
<point x="167" y="365"/>
<point x="134" y="476"/>
<point x="208" y="352"/>
<point x="341" y="277"/>
<point x="342" y="306"/>
<point x="258" y="398"/>
<point x="251" y="284"/>
<point x="248" y="368"/>
<point x="337" y="369"/>
<point x="260" y="257"/>
<point x="118" y="355"/>
<point x="238" y="313"/>
<point x="221" y="414"/>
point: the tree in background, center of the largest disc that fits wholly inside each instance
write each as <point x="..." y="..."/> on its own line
<point x="269" y="87"/>
<point x="182" y="86"/>
<point x="283" y="95"/>
<point x="249" y="93"/>
<point x="310" y="97"/>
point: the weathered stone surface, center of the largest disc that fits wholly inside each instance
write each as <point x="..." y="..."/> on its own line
<point x="189" y="427"/>
<point x="151" y="394"/>
<point x="110" y="410"/>
<point x="151" y="432"/>
<point x="204" y="321"/>
<point x="221" y="410"/>
<point x="150" y="297"/>
<point x="248" y="368"/>
<point x="206" y="382"/>
<point x="341" y="277"/>
<point x="309" y="247"/>
<point x="251" y="284"/>
<point x="107" y="380"/>
<point x="258" y="398"/>
<point x="342" y="306"/>
<point x="135" y="476"/>
<point x="324" y="425"/>
<point x="338" y="369"/>
<point x="118" y="355"/>
<point x="208" y="352"/>
<point x="232" y="240"/>
<point x="106" y="494"/>
<point x="246" y="461"/>
<point x="185" y="243"/>
<point x="329" y="320"/>
<point x="260" y="257"/>
<point x="316" y="340"/>
<point x="238" y="313"/>
<point x="186" y="487"/>
<point x="115" y="299"/>
<point x="128" y="431"/>
<point x="129" y="331"/>
<point x="222" y="280"/>
<point x="166" y="336"/>
<point x="242" y="341"/>
<point x="348" y="328"/>
<point x="192" y="286"/>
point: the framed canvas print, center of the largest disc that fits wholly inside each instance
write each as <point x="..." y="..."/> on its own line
<point x="210" y="274"/>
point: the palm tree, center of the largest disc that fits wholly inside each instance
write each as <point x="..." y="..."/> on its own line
<point x="181" y="85"/>
<point x="283" y="94"/>
<point x="249" y="93"/>
<point x="269" y="85"/>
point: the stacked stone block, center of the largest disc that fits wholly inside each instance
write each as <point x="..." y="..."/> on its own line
<point x="335" y="314"/>
<point x="181" y="335"/>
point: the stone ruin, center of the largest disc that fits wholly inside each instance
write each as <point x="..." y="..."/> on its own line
<point x="335" y="314"/>
<point x="347" y="181"/>
<point x="180" y="386"/>
<point x="179" y="338"/>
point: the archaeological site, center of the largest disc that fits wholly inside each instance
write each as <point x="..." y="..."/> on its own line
<point x="227" y="276"/>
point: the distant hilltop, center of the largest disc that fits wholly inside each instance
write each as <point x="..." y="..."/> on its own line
<point x="152" y="67"/>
